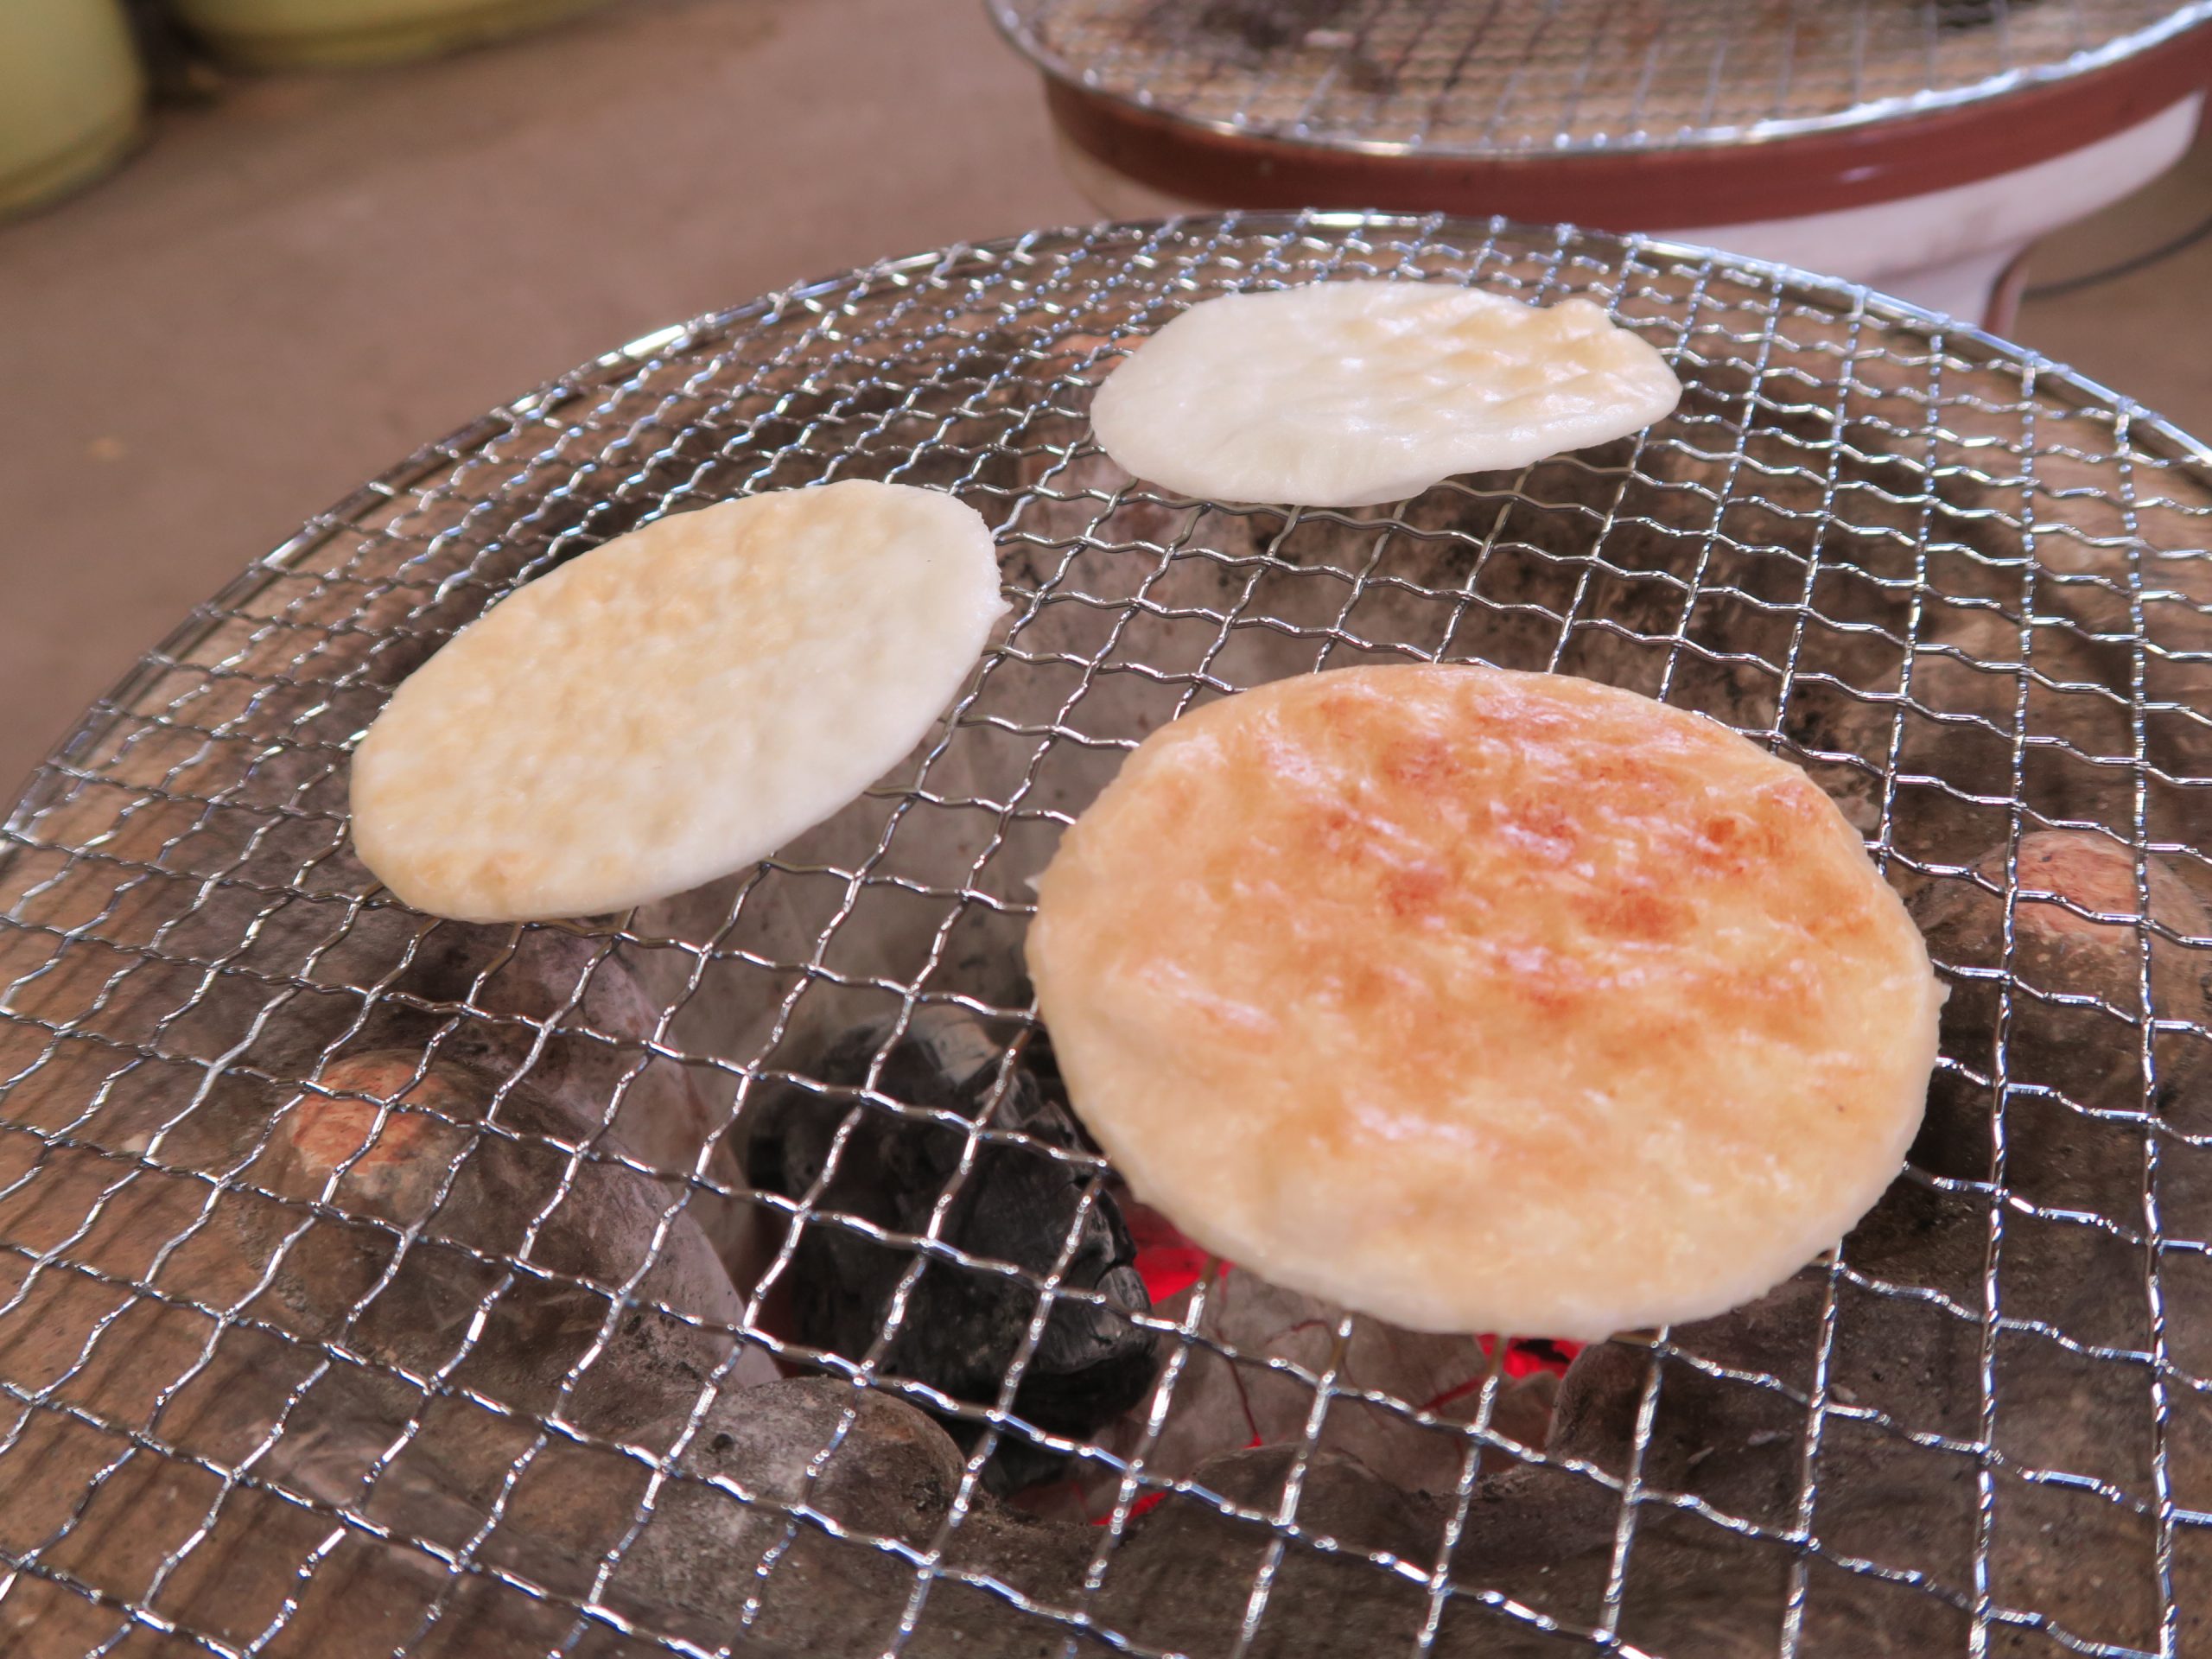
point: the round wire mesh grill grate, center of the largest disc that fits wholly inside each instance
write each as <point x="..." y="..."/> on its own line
<point x="359" y="1276"/>
<point x="1501" y="79"/>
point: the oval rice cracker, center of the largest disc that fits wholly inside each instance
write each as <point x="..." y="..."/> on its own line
<point x="676" y="704"/>
<point x="1485" y="1001"/>
<point x="1349" y="394"/>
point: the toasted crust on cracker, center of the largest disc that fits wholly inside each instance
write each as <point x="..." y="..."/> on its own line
<point x="1483" y="1000"/>
<point x="676" y="704"/>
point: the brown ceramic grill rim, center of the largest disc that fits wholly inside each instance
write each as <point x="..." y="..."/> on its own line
<point x="1761" y="170"/>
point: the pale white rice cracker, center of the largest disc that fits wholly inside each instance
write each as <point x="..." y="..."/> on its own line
<point x="1485" y="1001"/>
<point x="676" y="704"/>
<point x="1349" y="394"/>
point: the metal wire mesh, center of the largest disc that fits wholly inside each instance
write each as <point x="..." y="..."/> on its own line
<point x="361" y="1275"/>
<point x="1501" y="77"/>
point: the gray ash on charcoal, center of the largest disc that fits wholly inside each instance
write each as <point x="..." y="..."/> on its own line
<point x="962" y="1325"/>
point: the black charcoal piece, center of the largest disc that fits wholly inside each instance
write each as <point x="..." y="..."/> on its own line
<point x="962" y="1325"/>
<point x="1258" y="26"/>
<point x="1969" y="14"/>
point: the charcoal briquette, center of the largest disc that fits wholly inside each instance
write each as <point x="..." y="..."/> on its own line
<point x="1015" y="1205"/>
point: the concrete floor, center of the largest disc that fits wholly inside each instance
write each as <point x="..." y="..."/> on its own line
<point x="295" y="285"/>
<point x="2146" y="335"/>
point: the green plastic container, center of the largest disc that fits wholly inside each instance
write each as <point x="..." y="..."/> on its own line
<point x="354" y="34"/>
<point x="73" y="98"/>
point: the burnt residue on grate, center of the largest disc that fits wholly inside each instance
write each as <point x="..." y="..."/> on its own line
<point x="730" y="1276"/>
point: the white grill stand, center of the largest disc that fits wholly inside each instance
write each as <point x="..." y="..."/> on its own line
<point x="1946" y="251"/>
<point x="1918" y="146"/>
